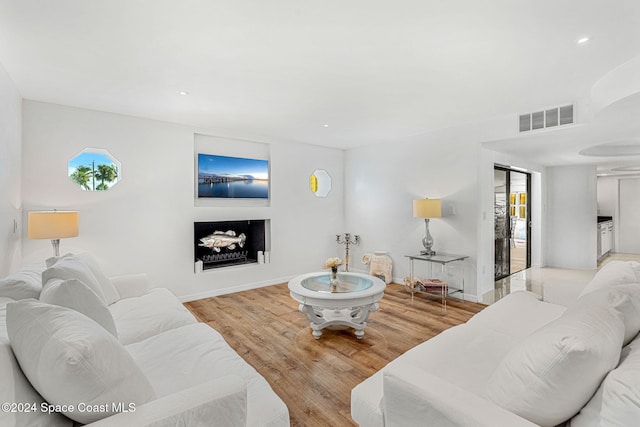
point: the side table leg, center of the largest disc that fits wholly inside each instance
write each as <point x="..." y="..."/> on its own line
<point x="412" y="279"/>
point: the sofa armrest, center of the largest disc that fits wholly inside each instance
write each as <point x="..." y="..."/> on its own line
<point x="222" y="402"/>
<point x="562" y="292"/>
<point x="131" y="285"/>
<point x="415" y="397"/>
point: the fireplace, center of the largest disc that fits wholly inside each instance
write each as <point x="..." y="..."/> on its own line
<point x="225" y="243"/>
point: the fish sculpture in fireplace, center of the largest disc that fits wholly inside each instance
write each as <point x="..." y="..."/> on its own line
<point x="221" y="239"/>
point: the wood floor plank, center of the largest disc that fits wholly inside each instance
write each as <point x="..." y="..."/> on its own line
<point x="315" y="377"/>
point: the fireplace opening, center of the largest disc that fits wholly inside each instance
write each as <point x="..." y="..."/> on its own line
<point x="226" y="243"/>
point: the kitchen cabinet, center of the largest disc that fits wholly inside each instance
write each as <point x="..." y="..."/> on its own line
<point x="605" y="238"/>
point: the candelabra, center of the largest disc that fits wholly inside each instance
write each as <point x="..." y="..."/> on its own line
<point x="346" y="241"/>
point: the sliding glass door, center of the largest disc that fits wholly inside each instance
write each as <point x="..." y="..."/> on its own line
<point x="512" y="221"/>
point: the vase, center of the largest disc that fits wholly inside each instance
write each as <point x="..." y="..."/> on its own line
<point x="334" y="277"/>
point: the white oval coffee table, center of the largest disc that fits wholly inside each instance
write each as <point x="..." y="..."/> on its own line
<point x="347" y="304"/>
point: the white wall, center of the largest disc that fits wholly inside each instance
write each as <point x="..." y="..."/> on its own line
<point x="608" y="205"/>
<point x="571" y="217"/>
<point x="383" y="180"/>
<point x="628" y="220"/>
<point x="145" y="222"/>
<point x="10" y="174"/>
<point x="607" y="194"/>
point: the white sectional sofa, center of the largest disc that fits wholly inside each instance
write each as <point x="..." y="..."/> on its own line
<point x="570" y="358"/>
<point x="114" y="352"/>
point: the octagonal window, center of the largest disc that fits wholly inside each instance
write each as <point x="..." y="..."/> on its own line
<point x="94" y="169"/>
<point x="320" y="183"/>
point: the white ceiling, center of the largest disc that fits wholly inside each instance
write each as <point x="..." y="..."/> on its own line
<point x="372" y="70"/>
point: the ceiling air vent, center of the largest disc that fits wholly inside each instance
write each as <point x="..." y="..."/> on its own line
<point x="546" y="119"/>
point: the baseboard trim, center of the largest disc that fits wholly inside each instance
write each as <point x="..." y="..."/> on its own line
<point x="233" y="289"/>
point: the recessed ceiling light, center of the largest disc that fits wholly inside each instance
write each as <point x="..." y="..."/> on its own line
<point x="183" y="92"/>
<point x="583" y="40"/>
<point x="325" y="125"/>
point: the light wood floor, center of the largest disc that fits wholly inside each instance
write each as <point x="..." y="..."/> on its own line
<point x="315" y="377"/>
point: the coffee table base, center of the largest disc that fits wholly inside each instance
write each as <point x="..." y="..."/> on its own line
<point x="354" y="317"/>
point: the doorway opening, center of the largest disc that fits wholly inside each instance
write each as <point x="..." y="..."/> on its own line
<point x="512" y="221"/>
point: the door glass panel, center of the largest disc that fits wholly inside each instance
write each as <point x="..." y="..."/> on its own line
<point x="501" y="221"/>
<point x="518" y="210"/>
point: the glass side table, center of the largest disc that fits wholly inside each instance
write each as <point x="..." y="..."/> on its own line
<point x="436" y="287"/>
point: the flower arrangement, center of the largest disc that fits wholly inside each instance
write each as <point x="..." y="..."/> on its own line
<point x="333" y="262"/>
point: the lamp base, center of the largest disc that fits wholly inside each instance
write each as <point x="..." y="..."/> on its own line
<point x="56" y="247"/>
<point x="427" y="240"/>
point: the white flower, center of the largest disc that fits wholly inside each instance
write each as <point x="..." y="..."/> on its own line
<point x="332" y="262"/>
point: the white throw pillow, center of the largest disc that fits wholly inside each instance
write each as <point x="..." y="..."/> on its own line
<point x="23" y="284"/>
<point x="71" y="267"/>
<point x="553" y="372"/>
<point x="611" y="274"/>
<point x="109" y="290"/>
<point x="624" y="298"/>
<point x="71" y="360"/>
<point x="617" y="401"/>
<point x="16" y="390"/>
<point x="77" y="296"/>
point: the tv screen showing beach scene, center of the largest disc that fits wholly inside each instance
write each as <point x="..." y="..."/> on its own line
<point x="232" y="177"/>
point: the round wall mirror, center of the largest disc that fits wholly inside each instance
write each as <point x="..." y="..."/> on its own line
<point x="320" y="183"/>
<point x="94" y="169"/>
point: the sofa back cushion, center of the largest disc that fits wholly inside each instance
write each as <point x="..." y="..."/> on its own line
<point x="552" y="373"/>
<point x="71" y="360"/>
<point x="77" y="296"/>
<point x="84" y="268"/>
<point x="624" y="298"/>
<point x="611" y="274"/>
<point x="23" y="284"/>
<point x="617" y="401"/>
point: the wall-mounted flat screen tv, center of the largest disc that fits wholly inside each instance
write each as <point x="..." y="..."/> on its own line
<point x="232" y="177"/>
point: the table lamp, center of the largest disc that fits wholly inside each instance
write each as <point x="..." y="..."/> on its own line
<point x="427" y="208"/>
<point x="53" y="225"/>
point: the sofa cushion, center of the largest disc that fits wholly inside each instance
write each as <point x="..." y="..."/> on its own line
<point x="624" y="298"/>
<point x="617" y="401"/>
<point x="111" y="294"/>
<point x="70" y="267"/>
<point x="517" y="314"/>
<point x="191" y="355"/>
<point x="141" y="317"/>
<point x="551" y="374"/>
<point x="17" y="390"/>
<point x="453" y="365"/>
<point x="77" y="296"/>
<point x="96" y="279"/>
<point x="635" y="266"/>
<point x="367" y="401"/>
<point x="24" y="283"/>
<point x="445" y="355"/>
<point x="71" y="360"/>
<point x="611" y="274"/>
<point x="3" y="316"/>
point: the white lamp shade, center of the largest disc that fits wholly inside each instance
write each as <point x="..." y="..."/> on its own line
<point x="427" y="208"/>
<point x="53" y="224"/>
